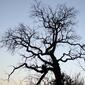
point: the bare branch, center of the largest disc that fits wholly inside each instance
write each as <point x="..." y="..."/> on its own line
<point x="81" y="66"/>
<point x="35" y="68"/>
<point x="41" y="78"/>
<point x="73" y="44"/>
<point x="45" y="61"/>
<point x="72" y="56"/>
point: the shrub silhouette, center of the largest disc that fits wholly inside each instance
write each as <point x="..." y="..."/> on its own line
<point x="66" y="79"/>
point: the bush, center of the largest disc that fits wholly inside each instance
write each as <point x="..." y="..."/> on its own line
<point x="67" y="80"/>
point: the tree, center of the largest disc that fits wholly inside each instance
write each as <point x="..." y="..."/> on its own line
<point x="41" y="44"/>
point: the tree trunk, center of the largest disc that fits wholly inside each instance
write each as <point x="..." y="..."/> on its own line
<point x="56" y="71"/>
<point x="57" y="74"/>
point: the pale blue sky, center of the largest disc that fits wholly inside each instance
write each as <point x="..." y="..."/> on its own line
<point x="13" y="12"/>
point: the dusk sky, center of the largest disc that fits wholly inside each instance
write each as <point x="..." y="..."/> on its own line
<point x="14" y="12"/>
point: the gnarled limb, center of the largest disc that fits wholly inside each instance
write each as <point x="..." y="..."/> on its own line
<point x="35" y="68"/>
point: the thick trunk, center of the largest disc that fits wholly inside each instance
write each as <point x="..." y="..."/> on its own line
<point x="56" y="70"/>
<point x="57" y="73"/>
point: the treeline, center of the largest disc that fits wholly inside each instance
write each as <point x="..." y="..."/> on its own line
<point x="66" y="79"/>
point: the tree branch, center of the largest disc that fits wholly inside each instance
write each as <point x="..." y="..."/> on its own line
<point x="72" y="56"/>
<point x="73" y="44"/>
<point x="41" y="78"/>
<point x="35" y="68"/>
<point x="46" y="62"/>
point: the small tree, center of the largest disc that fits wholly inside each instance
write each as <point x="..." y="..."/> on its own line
<point x="42" y="44"/>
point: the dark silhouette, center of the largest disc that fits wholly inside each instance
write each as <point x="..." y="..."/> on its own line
<point x="55" y="29"/>
<point x="66" y="79"/>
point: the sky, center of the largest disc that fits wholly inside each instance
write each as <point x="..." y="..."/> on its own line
<point x="14" y="12"/>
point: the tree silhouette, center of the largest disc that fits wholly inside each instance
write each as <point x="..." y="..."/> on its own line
<point x="41" y="44"/>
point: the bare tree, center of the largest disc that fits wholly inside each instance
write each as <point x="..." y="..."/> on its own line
<point x="41" y="44"/>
